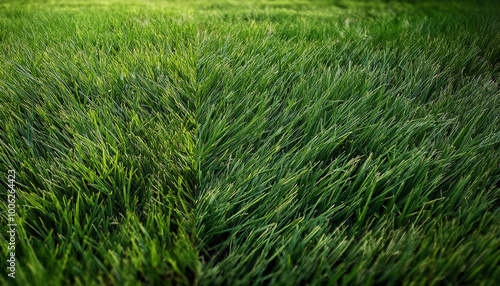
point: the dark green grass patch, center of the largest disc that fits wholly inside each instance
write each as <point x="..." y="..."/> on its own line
<point x="97" y="112"/>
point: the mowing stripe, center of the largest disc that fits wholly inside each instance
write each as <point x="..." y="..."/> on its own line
<point x="98" y="121"/>
<point x="337" y="148"/>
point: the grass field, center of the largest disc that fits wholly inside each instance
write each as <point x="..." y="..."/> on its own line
<point x="251" y="142"/>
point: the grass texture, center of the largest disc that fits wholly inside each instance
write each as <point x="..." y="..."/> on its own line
<point x="252" y="142"/>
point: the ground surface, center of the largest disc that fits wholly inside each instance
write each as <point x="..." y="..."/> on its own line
<point x="251" y="142"/>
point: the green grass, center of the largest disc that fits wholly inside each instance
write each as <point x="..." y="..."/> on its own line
<point x="252" y="142"/>
<point x="98" y="115"/>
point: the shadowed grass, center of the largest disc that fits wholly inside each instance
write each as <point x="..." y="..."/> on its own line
<point x="97" y="109"/>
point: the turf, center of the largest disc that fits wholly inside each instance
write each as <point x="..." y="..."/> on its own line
<point x="98" y="118"/>
<point x="252" y="142"/>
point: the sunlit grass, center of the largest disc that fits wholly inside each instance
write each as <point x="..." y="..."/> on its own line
<point x="252" y="142"/>
<point x="348" y="145"/>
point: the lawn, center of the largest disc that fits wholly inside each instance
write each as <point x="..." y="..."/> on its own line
<point x="251" y="142"/>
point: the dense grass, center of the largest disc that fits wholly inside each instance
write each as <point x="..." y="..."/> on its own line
<point x="98" y="118"/>
<point x="253" y="142"/>
<point x="349" y="148"/>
